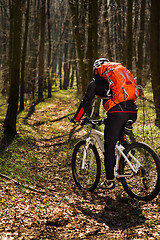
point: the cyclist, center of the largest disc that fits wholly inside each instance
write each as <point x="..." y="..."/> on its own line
<point x="117" y="116"/>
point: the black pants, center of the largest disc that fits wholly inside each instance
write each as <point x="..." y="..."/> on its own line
<point x="113" y="127"/>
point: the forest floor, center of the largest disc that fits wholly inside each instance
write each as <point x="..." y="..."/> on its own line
<point x="57" y="209"/>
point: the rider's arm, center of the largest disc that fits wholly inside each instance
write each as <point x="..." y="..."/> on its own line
<point x="86" y="101"/>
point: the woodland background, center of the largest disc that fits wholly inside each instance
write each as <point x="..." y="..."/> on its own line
<point x="46" y="43"/>
<point x="47" y="50"/>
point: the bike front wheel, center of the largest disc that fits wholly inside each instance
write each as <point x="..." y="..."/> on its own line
<point x="145" y="184"/>
<point x="86" y="167"/>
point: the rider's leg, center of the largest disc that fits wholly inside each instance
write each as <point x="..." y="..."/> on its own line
<point x="113" y="128"/>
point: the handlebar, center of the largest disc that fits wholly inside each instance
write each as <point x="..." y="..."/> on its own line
<point x="86" y="121"/>
<point x="127" y="128"/>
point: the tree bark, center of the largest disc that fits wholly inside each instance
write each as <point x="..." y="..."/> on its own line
<point x="140" y="44"/>
<point x="129" y="34"/>
<point x="4" y="50"/>
<point x="24" y="58"/>
<point x="15" y="54"/>
<point x="49" y="51"/>
<point x="106" y="22"/>
<point x="41" y="53"/>
<point x="155" y="54"/>
<point x="92" y="50"/>
<point x="74" y="5"/>
<point x="66" y="58"/>
<point x="34" y="49"/>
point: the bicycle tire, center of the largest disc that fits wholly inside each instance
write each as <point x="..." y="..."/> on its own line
<point x="89" y="177"/>
<point x="145" y="185"/>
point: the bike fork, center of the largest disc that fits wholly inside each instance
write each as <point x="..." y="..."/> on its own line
<point x="84" y="163"/>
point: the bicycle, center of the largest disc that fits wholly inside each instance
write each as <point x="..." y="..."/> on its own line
<point x="137" y="165"/>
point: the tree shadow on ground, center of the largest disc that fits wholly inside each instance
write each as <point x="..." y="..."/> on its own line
<point x="6" y="140"/>
<point x="157" y="123"/>
<point x="118" y="214"/>
<point x="31" y="111"/>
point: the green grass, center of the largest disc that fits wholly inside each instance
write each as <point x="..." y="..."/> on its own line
<point x="19" y="157"/>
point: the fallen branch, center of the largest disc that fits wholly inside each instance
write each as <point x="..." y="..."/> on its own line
<point x="20" y="184"/>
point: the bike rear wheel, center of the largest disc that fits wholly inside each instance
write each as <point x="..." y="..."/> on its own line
<point x="86" y="167"/>
<point x="145" y="184"/>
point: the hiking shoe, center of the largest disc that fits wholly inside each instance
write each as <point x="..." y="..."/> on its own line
<point x="107" y="184"/>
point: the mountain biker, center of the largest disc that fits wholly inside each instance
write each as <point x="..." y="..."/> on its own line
<point x="117" y="117"/>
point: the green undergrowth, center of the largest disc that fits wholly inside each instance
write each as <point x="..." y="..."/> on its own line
<point x="146" y="129"/>
<point x="19" y="156"/>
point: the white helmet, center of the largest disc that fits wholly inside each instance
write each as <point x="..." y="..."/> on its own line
<point x="99" y="62"/>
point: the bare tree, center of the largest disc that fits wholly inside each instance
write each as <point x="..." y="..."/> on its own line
<point x="129" y="41"/>
<point x="4" y="46"/>
<point x="140" y="43"/>
<point x="74" y="8"/>
<point x="15" y="54"/>
<point x="49" y="50"/>
<point x="41" y="52"/>
<point x="155" y="54"/>
<point x="22" y="89"/>
<point x="85" y="19"/>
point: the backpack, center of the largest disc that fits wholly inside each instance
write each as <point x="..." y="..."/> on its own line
<point x="122" y="84"/>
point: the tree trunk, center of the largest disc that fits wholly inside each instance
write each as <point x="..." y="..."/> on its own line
<point x="75" y="21"/>
<point x="155" y="54"/>
<point x="92" y="38"/>
<point x="129" y="34"/>
<point x="135" y="32"/>
<point x="24" y="58"/>
<point x="93" y="13"/>
<point x="106" y="21"/>
<point x="41" y="53"/>
<point x="65" y="52"/>
<point x="74" y="65"/>
<point x="4" y="50"/>
<point x="34" y="52"/>
<point x="49" y="51"/>
<point x="60" y="67"/>
<point x="140" y="44"/>
<point x="15" y="53"/>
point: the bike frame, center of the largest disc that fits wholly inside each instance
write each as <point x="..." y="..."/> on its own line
<point x="94" y="137"/>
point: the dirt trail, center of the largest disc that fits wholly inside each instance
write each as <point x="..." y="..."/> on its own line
<point x="65" y="212"/>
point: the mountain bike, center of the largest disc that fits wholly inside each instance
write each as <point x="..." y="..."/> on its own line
<point x="137" y="165"/>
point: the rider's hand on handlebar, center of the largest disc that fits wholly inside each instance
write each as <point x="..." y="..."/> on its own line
<point x="82" y="122"/>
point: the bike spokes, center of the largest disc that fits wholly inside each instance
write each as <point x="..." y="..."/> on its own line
<point x="144" y="183"/>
